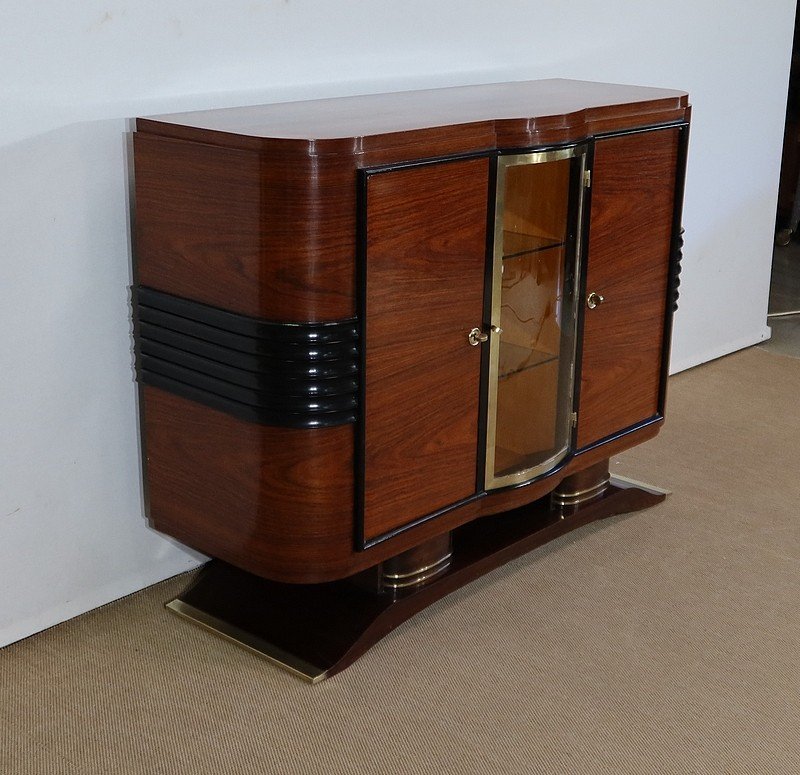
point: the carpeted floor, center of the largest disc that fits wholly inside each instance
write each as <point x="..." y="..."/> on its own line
<point x="666" y="641"/>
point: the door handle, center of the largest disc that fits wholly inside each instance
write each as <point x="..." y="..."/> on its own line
<point x="594" y="300"/>
<point x="476" y="336"/>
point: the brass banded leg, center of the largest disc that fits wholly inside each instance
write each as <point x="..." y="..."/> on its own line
<point x="582" y="487"/>
<point x="417" y="565"/>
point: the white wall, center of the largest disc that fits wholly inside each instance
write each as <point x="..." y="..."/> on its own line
<point x="72" y="530"/>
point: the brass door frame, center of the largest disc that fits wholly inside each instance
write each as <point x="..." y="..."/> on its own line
<point x="536" y="157"/>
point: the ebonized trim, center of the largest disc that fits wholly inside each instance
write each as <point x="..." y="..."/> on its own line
<point x="234" y="322"/>
<point x="360" y="451"/>
<point x="296" y="375"/>
<point x="488" y="277"/>
<point x="581" y="290"/>
<point x="676" y="254"/>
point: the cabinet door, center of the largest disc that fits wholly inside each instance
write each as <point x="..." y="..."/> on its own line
<point x="534" y="313"/>
<point x="633" y="190"/>
<point x="423" y="293"/>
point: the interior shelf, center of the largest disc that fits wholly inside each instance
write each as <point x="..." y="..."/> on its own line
<point x="515" y="358"/>
<point x="517" y="243"/>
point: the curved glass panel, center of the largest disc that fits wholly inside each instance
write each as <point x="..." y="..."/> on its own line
<point x="534" y="313"/>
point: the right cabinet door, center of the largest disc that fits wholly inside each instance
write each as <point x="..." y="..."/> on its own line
<point x="629" y="247"/>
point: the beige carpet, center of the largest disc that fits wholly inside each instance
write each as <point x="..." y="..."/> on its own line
<point x="662" y="642"/>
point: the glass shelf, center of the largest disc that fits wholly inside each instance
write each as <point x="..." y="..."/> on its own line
<point x="517" y="243"/>
<point x="515" y="358"/>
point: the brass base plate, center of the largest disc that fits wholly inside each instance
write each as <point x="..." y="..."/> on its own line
<point x="624" y="483"/>
<point x="249" y="641"/>
<point x="316" y="630"/>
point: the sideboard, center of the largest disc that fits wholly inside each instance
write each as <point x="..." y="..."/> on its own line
<point x="386" y="343"/>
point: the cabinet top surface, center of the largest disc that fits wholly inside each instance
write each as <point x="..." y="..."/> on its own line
<point x="566" y="102"/>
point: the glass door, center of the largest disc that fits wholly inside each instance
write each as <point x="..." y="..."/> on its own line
<point x="534" y="313"/>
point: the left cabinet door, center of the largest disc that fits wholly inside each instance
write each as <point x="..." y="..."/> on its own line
<point x="422" y="292"/>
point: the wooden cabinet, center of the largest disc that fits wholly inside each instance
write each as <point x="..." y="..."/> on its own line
<point x="364" y="326"/>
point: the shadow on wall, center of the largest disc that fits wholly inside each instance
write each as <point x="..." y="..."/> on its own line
<point x="67" y="334"/>
<point x="70" y="441"/>
<point x="72" y="529"/>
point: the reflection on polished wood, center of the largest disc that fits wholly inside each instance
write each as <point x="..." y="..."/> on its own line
<point x="203" y="463"/>
<point x="432" y="122"/>
<point x="317" y="630"/>
<point x="296" y="214"/>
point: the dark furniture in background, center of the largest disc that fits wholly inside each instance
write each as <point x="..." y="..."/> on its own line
<point x="788" y="215"/>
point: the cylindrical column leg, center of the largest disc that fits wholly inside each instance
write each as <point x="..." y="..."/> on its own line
<point x="417" y="565"/>
<point x="584" y="486"/>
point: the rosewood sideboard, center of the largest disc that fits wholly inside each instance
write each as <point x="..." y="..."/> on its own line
<point x="387" y="343"/>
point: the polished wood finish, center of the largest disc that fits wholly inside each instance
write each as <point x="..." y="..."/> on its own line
<point x="425" y="258"/>
<point x="229" y="489"/>
<point x="629" y="253"/>
<point x="511" y="115"/>
<point x="326" y="627"/>
<point x="253" y="209"/>
<point x="233" y="211"/>
<point x="259" y="233"/>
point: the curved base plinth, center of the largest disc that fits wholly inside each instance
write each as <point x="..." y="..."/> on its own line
<point x="316" y="630"/>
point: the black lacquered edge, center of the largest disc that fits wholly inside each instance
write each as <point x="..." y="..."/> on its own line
<point x="674" y="280"/>
<point x="296" y="375"/>
<point x="236" y="323"/>
<point x="262" y="415"/>
<point x="273" y="345"/>
<point x="676" y="254"/>
<point x="308" y="402"/>
<point x="338" y="362"/>
<point x="326" y="379"/>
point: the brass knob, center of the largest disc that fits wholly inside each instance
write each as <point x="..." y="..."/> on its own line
<point x="476" y="336"/>
<point x="594" y="299"/>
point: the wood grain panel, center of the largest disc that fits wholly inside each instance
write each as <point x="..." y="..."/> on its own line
<point x="426" y="252"/>
<point x="274" y="501"/>
<point x="628" y="263"/>
<point x="272" y="236"/>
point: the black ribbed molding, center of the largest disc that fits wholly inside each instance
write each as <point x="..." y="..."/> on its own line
<point x="675" y="270"/>
<point x="295" y="375"/>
